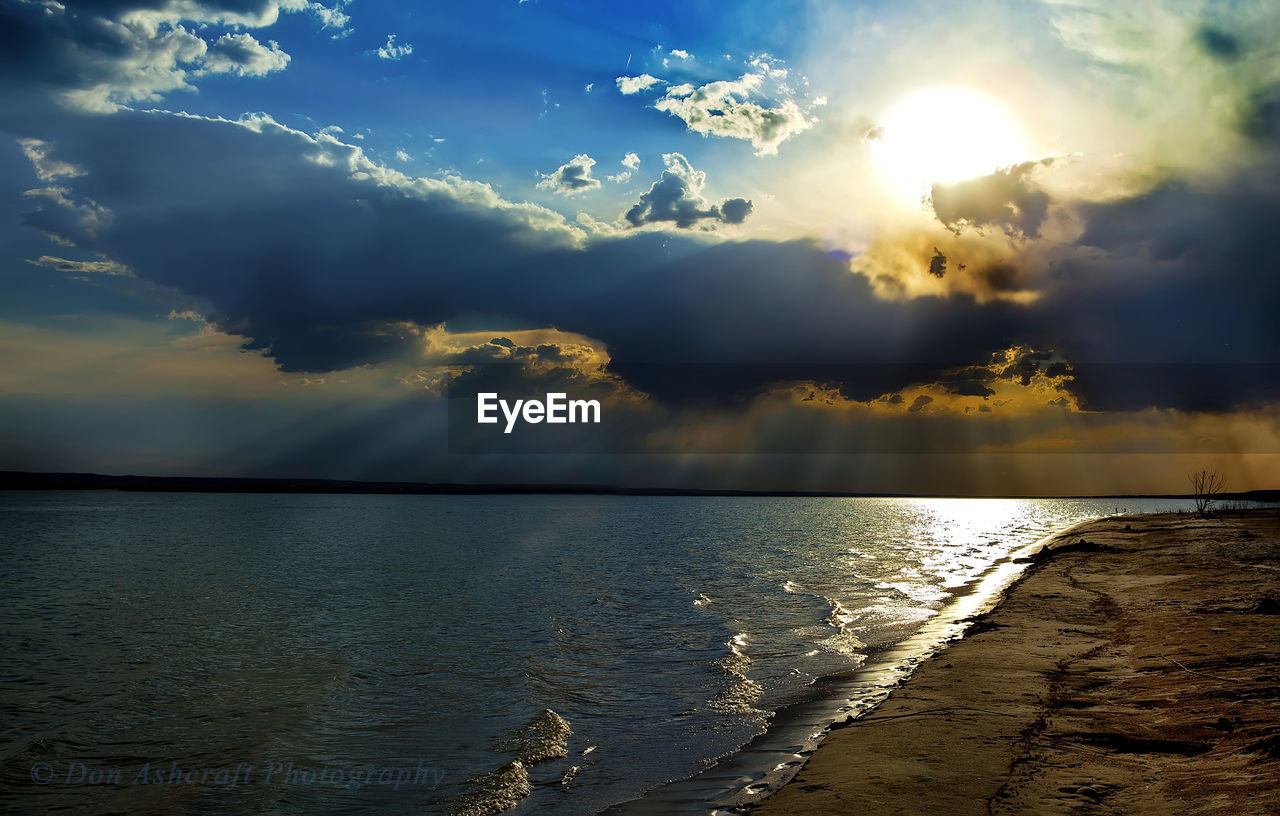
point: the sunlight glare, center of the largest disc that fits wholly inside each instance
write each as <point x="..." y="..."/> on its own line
<point x="943" y="134"/>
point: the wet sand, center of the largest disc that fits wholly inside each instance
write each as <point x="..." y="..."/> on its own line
<point x="1134" y="669"/>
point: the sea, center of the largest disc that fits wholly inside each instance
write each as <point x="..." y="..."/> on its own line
<point x="186" y="653"/>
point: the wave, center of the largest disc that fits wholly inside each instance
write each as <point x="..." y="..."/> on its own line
<point x="743" y="692"/>
<point x="844" y="641"/>
<point x="839" y="617"/>
<point x="544" y="737"/>
<point x="740" y="779"/>
<point x="495" y="792"/>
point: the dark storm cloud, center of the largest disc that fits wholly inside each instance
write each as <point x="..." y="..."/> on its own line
<point x="515" y="357"/>
<point x="66" y="50"/>
<point x="115" y="52"/>
<point x="1006" y="199"/>
<point x="1227" y="228"/>
<point x="1018" y="364"/>
<point x="1179" y="307"/>
<point x="315" y="253"/>
<point x="286" y="248"/>
<point x="970" y="388"/>
<point x="1210" y="387"/>
<point x="1025" y="366"/>
<point x="676" y="198"/>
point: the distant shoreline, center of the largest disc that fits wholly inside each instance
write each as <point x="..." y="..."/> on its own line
<point x="26" y="480"/>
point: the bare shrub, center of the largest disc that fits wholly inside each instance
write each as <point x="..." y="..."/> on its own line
<point x="1206" y="487"/>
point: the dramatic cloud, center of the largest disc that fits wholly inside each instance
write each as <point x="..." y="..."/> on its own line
<point x="1020" y="364"/>
<point x="293" y="263"/>
<point x="335" y="252"/>
<point x="676" y="197"/>
<point x="726" y="109"/>
<point x="1177" y="285"/>
<point x="928" y="260"/>
<point x="97" y="55"/>
<point x="1007" y="199"/>
<point x="636" y="84"/>
<point x="571" y="178"/>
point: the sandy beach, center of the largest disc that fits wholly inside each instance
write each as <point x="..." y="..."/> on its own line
<point x="1133" y="669"/>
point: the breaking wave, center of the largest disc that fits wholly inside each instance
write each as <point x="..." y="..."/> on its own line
<point x="743" y="692"/>
<point x="542" y="738"/>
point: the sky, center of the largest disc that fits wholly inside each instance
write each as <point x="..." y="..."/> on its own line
<point x="990" y="248"/>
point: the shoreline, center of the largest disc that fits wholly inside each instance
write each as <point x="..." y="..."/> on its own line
<point x="1130" y="668"/>
<point x="736" y="781"/>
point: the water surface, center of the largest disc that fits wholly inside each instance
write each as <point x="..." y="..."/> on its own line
<point x="402" y="651"/>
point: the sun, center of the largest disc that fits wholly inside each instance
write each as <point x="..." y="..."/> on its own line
<point x="942" y="135"/>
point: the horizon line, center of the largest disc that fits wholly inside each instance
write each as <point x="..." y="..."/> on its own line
<point x="49" y="481"/>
